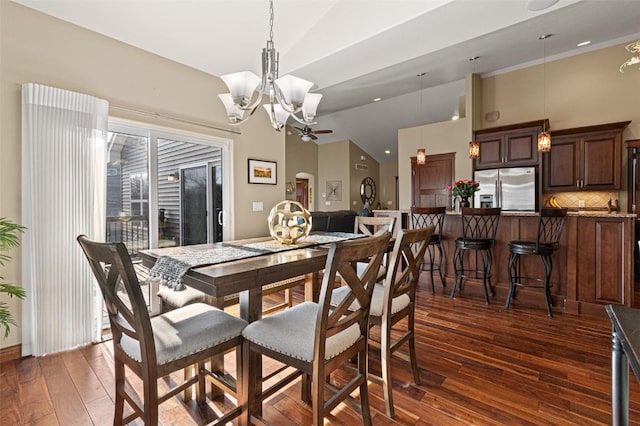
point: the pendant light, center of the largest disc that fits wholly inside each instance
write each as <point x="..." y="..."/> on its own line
<point x="544" y="137"/>
<point x="421" y="157"/>
<point x="474" y="146"/>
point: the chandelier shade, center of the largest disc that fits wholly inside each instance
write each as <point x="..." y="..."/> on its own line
<point x="288" y="96"/>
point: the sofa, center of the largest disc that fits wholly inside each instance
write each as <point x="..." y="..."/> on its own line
<point x="334" y="221"/>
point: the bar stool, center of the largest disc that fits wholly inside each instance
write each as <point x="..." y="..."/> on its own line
<point x="550" y="227"/>
<point x="422" y="217"/>
<point x="479" y="227"/>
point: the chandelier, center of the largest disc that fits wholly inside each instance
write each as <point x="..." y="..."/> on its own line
<point x="288" y="95"/>
<point x="632" y="48"/>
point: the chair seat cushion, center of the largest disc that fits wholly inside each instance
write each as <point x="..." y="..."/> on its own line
<point x="292" y="332"/>
<point x="397" y="304"/>
<point x="186" y="331"/>
<point x="529" y="247"/>
<point x="474" y="243"/>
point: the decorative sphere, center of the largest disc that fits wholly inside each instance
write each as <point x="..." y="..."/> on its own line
<point x="289" y="222"/>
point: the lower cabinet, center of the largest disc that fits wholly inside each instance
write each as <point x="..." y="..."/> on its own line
<point x="600" y="267"/>
<point x="593" y="266"/>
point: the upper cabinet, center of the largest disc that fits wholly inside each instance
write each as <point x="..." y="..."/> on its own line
<point x="584" y="158"/>
<point x="509" y="146"/>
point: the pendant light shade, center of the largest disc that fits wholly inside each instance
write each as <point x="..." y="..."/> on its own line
<point x="544" y="142"/>
<point x="421" y="158"/>
<point x="474" y="149"/>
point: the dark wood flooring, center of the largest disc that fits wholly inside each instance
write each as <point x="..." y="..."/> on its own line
<point x="480" y="365"/>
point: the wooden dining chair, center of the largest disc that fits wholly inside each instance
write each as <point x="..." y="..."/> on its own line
<point x="155" y="347"/>
<point x="374" y="225"/>
<point x="317" y="338"/>
<point x="393" y="307"/>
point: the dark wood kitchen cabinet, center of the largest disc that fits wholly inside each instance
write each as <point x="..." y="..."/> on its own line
<point x="509" y="146"/>
<point x="585" y="158"/>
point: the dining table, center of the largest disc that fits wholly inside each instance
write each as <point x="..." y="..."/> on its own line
<point x="269" y="263"/>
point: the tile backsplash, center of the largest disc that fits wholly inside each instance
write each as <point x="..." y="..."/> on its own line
<point x="592" y="199"/>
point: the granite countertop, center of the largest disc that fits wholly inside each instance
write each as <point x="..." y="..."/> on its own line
<point x="578" y="213"/>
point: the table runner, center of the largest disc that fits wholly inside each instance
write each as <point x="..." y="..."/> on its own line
<point x="170" y="270"/>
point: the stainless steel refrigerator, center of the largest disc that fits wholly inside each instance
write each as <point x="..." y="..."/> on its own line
<point x="512" y="189"/>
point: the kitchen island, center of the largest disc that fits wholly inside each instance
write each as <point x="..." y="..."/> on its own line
<point x="593" y="266"/>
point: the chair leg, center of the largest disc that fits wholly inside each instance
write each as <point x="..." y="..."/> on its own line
<point x="546" y="260"/>
<point x="486" y="270"/>
<point x="201" y="390"/>
<point x="430" y="250"/>
<point x="247" y="398"/>
<point x="364" y="388"/>
<point x="512" y="284"/>
<point x="412" y="348"/>
<point x="440" y="265"/>
<point x="119" y="379"/>
<point x="150" y="385"/>
<point x="458" y="258"/>
<point x="385" y="360"/>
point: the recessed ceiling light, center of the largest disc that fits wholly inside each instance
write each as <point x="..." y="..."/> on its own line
<point x="584" y="43"/>
<point x="535" y="5"/>
<point x="377" y="99"/>
<point x="386" y="151"/>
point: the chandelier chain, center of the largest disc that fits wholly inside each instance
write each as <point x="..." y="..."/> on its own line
<point x="271" y="21"/>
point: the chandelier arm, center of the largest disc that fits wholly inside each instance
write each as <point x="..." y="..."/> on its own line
<point x="235" y="122"/>
<point x="281" y="100"/>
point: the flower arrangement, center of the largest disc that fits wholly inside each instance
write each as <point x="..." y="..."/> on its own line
<point x="464" y="188"/>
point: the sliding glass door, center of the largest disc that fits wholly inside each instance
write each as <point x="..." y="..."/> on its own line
<point x="164" y="189"/>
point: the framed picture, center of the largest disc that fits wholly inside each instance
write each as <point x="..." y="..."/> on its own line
<point x="334" y="190"/>
<point x="261" y="171"/>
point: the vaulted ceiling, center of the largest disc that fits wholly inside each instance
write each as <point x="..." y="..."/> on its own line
<point x="358" y="50"/>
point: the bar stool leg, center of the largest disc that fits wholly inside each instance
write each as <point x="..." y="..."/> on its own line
<point x="441" y="261"/>
<point x="486" y="270"/>
<point x="431" y="252"/>
<point x="546" y="260"/>
<point x="458" y="271"/>
<point x="512" y="277"/>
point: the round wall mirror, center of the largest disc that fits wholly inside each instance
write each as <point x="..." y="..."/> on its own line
<point x="368" y="190"/>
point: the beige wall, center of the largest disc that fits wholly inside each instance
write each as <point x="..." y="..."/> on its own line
<point x="580" y="91"/>
<point x="66" y="56"/>
<point x="356" y="176"/>
<point x="437" y="138"/>
<point x="333" y="164"/>
<point x="388" y="174"/>
<point x="301" y="157"/>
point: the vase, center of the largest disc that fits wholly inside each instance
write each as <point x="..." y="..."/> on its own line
<point x="464" y="202"/>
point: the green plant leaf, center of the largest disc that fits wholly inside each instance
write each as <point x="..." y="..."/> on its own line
<point x="6" y="320"/>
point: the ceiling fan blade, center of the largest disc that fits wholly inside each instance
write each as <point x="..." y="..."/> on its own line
<point x="313" y="137"/>
<point x="319" y="132"/>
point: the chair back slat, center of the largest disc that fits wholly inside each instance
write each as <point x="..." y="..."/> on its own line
<point x="406" y="263"/>
<point x="480" y="223"/>
<point x="421" y="217"/>
<point x="550" y="225"/>
<point x="373" y="225"/>
<point x="342" y="259"/>
<point x="118" y="282"/>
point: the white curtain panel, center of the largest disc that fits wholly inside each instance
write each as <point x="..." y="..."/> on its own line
<point x="63" y="195"/>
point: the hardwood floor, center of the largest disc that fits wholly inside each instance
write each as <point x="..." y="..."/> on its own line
<point x="481" y="365"/>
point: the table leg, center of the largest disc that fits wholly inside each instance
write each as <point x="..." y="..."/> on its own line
<point x="619" y="383"/>
<point x="251" y="310"/>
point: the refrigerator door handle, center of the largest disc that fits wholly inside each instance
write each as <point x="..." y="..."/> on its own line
<point x="500" y="205"/>
<point x="497" y="192"/>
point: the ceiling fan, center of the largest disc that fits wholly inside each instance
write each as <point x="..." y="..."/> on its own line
<point x="307" y="133"/>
